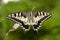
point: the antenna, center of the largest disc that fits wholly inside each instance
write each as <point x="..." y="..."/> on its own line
<point x="33" y="8"/>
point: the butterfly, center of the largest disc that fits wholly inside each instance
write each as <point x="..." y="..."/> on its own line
<point x="28" y="20"/>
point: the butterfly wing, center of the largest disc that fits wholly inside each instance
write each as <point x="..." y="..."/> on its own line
<point x="19" y="18"/>
<point x="40" y="17"/>
<point x="22" y="19"/>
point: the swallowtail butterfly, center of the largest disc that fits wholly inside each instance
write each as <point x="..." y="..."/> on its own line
<point x="28" y="20"/>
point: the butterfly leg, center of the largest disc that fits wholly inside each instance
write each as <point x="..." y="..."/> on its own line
<point x="15" y="26"/>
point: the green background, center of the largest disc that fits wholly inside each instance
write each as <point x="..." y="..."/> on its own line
<point x="50" y="29"/>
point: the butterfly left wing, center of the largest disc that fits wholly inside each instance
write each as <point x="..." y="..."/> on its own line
<point x="39" y="18"/>
<point x="20" y="19"/>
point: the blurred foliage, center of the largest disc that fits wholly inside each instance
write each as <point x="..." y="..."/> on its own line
<point x="50" y="29"/>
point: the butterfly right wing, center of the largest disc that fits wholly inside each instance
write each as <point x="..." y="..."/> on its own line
<point x="40" y="17"/>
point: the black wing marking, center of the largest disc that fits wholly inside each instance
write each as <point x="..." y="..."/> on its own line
<point x="16" y="18"/>
<point x="44" y="16"/>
